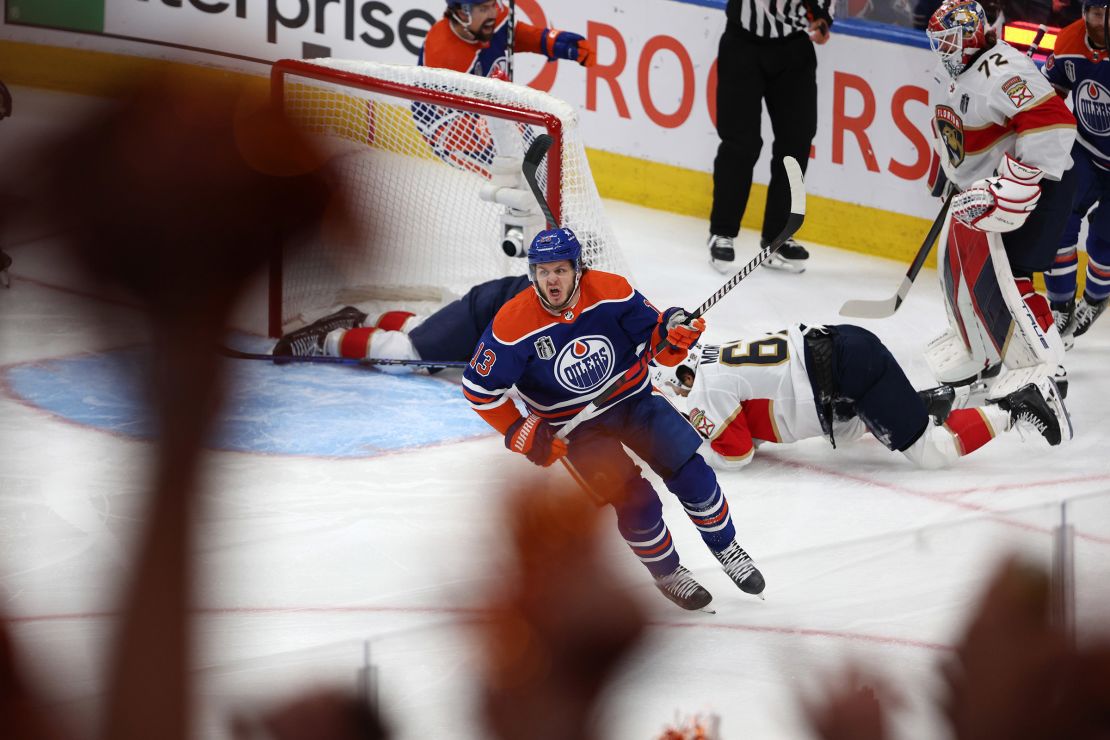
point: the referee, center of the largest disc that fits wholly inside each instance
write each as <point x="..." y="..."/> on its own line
<point x="766" y="54"/>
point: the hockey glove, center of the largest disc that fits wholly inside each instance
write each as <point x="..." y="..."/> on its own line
<point x="566" y="45"/>
<point x="535" y="438"/>
<point x="681" y="333"/>
<point x="1001" y="203"/>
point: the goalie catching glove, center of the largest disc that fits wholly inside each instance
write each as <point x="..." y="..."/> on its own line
<point x="535" y="438"/>
<point x="681" y="334"/>
<point x="1001" y="203"/>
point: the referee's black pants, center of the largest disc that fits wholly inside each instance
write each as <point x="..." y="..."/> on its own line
<point x="750" y="70"/>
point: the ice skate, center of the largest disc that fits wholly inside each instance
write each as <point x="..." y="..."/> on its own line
<point x="722" y="253"/>
<point x="1039" y="406"/>
<point x="1063" y="314"/>
<point x="740" y="568"/>
<point x="309" y="340"/>
<point x="1085" y="314"/>
<point x="790" y="257"/>
<point x="680" y="587"/>
<point x="938" y="401"/>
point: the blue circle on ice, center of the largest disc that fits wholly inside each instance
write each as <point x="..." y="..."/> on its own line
<point x="293" y="409"/>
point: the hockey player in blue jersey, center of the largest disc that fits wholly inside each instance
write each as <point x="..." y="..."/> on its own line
<point x="1079" y="66"/>
<point x="559" y="345"/>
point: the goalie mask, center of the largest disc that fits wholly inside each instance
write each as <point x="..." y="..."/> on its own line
<point x="957" y="32"/>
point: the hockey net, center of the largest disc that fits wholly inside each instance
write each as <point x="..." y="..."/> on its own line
<point x="415" y="149"/>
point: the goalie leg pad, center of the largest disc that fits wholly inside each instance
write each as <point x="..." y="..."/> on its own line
<point x="395" y="321"/>
<point x="371" y="342"/>
<point x="985" y="305"/>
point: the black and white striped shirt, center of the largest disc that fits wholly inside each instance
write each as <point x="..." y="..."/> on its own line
<point x="775" y="19"/>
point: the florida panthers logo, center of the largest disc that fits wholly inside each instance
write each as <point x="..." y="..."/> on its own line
<point x="1092" y="108"/>
<point x="584" y="364"/>
<point x="951" y="129"/>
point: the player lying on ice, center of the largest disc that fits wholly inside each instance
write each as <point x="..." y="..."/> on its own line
<point x="839" y="381"/>
<point x="559" y="345"/>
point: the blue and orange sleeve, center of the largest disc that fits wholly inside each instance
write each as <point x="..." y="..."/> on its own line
<point x="528" y="38"/>
<point x="486" y="381"/>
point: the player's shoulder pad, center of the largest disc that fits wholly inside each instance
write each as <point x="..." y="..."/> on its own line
<point x="600" y="287"/>
<point x="521" y="316"/>
<point x="444" y="49"/>
<point x="1072" y="40"/>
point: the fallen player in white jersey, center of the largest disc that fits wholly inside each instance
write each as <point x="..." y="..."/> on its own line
<point x="840" y="381"/>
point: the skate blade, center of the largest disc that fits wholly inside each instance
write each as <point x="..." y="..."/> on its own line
<point x="778" y="263"/>
<point x="725" y="268"/>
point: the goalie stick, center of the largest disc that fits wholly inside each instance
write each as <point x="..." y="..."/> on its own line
<point x="329" y="360"/>
<point x="881" y="309"/>
<point x="531" y="164"/>
<point x="864" y="309"/>
<point x="793" y="222"/>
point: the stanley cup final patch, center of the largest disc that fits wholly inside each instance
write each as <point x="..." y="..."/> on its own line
<point x="1017" y="89"/>
<point x="545" y="348"/>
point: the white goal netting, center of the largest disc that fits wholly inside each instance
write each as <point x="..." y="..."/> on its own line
<point x="422" y="155"/>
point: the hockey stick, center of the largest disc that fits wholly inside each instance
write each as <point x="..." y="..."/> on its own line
<point x="512" y="40"/>
<point x="793" y="223"/>
<point x="329" y="360"/>
<point x="532" y="159"/>
<point x="864" y="309"/>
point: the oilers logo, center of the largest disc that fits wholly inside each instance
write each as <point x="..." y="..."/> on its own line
<point x="584" y="364"/>
<point x="1092" y="108"/>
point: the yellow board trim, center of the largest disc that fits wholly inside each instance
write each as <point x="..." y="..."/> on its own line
<point x="665" y="187"/>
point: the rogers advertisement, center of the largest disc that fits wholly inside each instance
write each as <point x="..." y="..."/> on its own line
<point x="650" y="96"/>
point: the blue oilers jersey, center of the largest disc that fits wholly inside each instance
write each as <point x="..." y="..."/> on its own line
<point x="1075" y="66"/>
<point x="558" y="364"/>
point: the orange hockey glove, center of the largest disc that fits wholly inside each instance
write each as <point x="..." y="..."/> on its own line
<point x="535" y="438"/>
<point x="681" y="335"/>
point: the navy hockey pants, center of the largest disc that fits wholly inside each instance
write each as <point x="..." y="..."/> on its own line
<point x="873" y="385"/>
<point x="662" y="437"/>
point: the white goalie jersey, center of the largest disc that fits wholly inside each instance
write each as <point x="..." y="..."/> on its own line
<point x="1000" y="104"/>
<point x="746" y="392"/>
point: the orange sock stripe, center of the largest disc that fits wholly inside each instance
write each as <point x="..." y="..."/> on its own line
<point x="710" y="521"/>
<point x="356" y="342"/>
<point x="645" y="552"/>
<point x="971" y="428"/>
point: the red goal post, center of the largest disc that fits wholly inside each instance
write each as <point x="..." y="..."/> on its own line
<point x="417" y="151"/>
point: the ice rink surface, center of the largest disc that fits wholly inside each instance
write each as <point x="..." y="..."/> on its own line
<point x="350" y="513"/>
